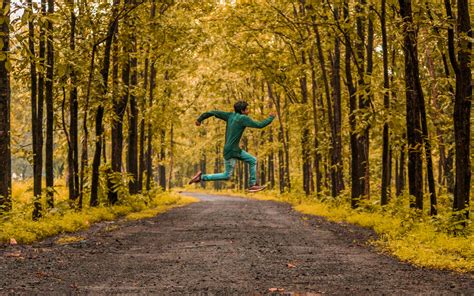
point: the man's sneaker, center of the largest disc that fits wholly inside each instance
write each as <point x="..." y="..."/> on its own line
<point x="196" y="178"/>
<point x="256" y="188"/>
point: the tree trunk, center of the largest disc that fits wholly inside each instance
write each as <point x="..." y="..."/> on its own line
<point x="161" y="167"/>
<point x="217" y="165"/>
<point x="94" y="201"/>
<point x="119" y="103"/>
<point x="141" y="161"/>
<point x="386" y="161"/>
<point x="132" y="159"/>
<point x="171" y="154"/>
<point x="287" y="147"/>
<point x="37" y="140"/>
<point x="365" y="96"/>
<point x="149" y="150"/>
<point x="400" y="183"/>
<point x="271" y="156"/>
<point x="149" y="164"/>
<point x="41" y="74"/>
<point x="356" y="191"/>
<point x="337" y="178"/>
<point x="462" y="108"/>
<point x="305" y="131"/>
<point x="203" y="167"/>
<point x="283" y="177"/>
<point x="316" y="153"/>
<point x="85" y="146"/>
<point x="5" y="150"/>
<point x="414" y="137"/>
<point x="330" y="113"/>
<point x="49" y="108"/>
<point x="73" y="149"/>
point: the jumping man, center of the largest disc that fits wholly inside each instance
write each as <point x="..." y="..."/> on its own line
<point x="236" y="123"/>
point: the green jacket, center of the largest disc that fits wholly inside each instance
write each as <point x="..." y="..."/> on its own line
<point x="236" y="124"/>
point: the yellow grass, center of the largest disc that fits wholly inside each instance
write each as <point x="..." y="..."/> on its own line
<point x="18" y="223"/>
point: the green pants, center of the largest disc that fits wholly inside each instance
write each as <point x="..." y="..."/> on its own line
<point x="229" y="169"/>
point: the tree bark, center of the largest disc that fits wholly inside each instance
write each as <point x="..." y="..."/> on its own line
<point x="337" y="177"/>
<point x="171" y="154"/>
<point x="161" y="167"/>
<point x="414" y="136"/>
<point x="73" y="149"/>
<point x="316" y="153"/>
<point x="149" y="150"/>
<point x="356" y="191"/>
<point x="462" y="110"/>
<point x="282" y="151"/>
<point x="37" y="136"/>
<point x="365" y="96"/>
<point x="149" y="164"/>
<point x="386" y="161"/>
<point x="114" y="174"/>
<point x="305" y="131"/>
<point x="49" y="107"/>
<point x="132" y="159"/>
<point x="5" y="96"/>
<point x="99" y="130"/>
<point x="141" y="161"/>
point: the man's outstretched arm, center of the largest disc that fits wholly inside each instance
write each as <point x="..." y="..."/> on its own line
<point x="219" y="114"/>
<point x="249" y="122"/>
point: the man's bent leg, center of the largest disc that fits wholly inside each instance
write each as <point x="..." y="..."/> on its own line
<point x="229" y="169"/>
<point x="252" y="161"/>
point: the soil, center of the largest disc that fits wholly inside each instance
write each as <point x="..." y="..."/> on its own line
<point x="219" y="246"/>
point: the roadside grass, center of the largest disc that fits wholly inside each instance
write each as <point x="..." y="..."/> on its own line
<point x="408" y="234"/>
<point x="18" y="223"/>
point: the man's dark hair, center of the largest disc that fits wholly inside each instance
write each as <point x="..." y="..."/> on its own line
<point x="240" y="106"/>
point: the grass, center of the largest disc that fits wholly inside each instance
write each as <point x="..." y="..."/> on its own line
<point x="405" y="233"/>
<point x="18" y="224"/>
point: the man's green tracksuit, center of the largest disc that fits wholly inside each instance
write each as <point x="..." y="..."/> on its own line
<point x="236" y="124"/>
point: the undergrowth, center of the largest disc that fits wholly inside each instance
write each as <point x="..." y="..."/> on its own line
<point x="18" y="223"/>
<point x="408" y="234"/>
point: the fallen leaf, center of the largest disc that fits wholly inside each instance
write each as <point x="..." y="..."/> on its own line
<point x="289" y="265"/>
<point x="13" y="254"/>
<point x="13" y="241"/>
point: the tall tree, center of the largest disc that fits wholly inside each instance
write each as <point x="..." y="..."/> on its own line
<point x="5" y="150"/>
<point x="141" y="157"/>
<point x="462" y="102"/>
<point x="364" y="55"/>
<point x="132" y="155"/>
<point x="36" y="115"/>
<point x="49" y="107"/>
<point x="413" y="118"/>
<point x="99" y="130"/>
<point x="119" y="105"/>
<point x="73" y="149"/>
<point x="386" y="101"/>
<point x="337" y="177"/>
<point x="356" y="190"/>
<point x="149" y="151"/>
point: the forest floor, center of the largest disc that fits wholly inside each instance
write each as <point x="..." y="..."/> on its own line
<point x="219" y="246"/>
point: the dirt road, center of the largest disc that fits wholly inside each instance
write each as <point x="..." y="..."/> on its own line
<point x="219" y="246"/>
